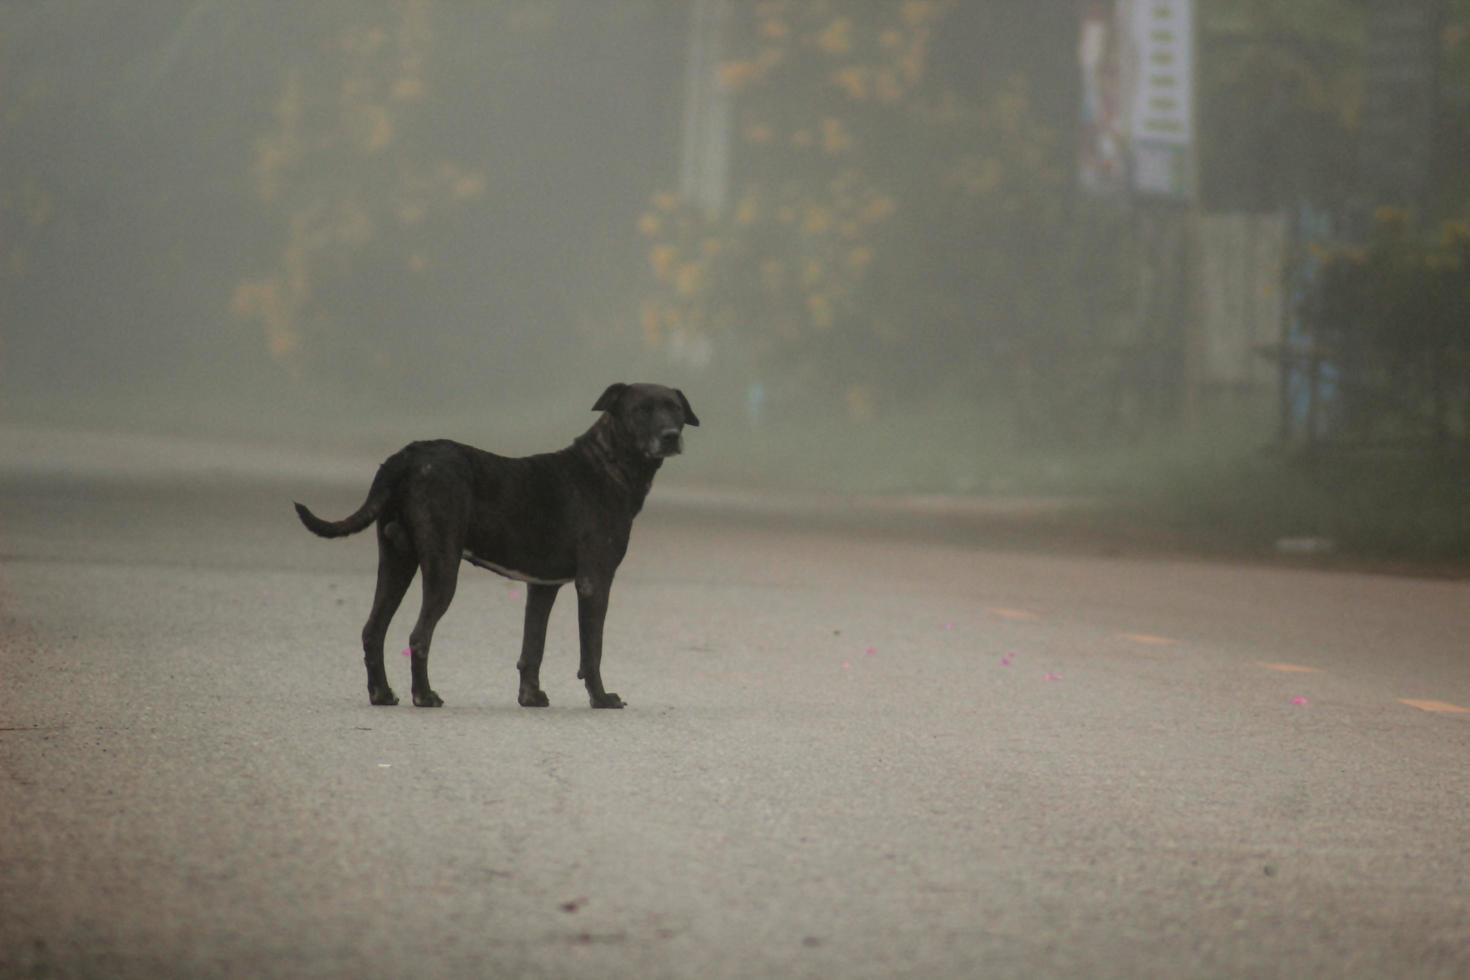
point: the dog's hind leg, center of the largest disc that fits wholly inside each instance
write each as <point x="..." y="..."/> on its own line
<point x="396" y="568"/>
<point x="539" y="599"/>
<point x="441" y="574"/>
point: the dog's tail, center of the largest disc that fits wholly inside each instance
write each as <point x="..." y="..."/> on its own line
<point x="378" y="497"/>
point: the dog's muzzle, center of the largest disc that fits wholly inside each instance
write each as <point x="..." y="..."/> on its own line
<point x="668" y="443"/>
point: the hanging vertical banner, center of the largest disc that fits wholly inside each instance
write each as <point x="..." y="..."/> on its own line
<point x="1163" y="90"/>
<point x="704" y="159"/>
<point x="1103" y="159"/>
<point x="1138" y="65"/>
<point x="1161" y="107"/>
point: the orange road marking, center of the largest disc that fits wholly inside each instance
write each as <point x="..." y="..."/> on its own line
<point x="1290" y="668"/>
<point x="1444" y="707"/>
<point x="1148" y="640"/>
<point x="1016" y="614"/>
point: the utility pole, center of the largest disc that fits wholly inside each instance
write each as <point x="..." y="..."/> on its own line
<point x="704" y="160"/>
<point x="1164" y="185"/>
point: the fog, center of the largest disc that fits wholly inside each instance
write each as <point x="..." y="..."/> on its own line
<point x="884" y="247"/>
<point x="285" y="218"/>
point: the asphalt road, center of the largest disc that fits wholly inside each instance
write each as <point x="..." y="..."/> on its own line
<point x="848" y="752"/>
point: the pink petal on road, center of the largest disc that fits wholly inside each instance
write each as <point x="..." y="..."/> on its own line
<point x="871" y="651"/>
<point x="847" y="665"/>
<point x="1298" y="700"/>
<point x="1053" y="677"/>
<point x="949" y="626"/>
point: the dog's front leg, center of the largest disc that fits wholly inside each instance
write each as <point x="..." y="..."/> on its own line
<point x="592" y="594"/>
<point x="533" y="643"/>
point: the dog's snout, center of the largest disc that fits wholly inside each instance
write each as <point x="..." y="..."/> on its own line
<point x="669" y="439"/>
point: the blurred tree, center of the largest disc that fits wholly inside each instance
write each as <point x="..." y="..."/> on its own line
<point x="1280" y="93"/>
<point x="890" y="225"/>
<point x="431" y="162"/>
<point x="1390" y="317"/>
<point x="1451" y="176"/>
<point x="352" y="189"/>
<point x="398" y="199"/>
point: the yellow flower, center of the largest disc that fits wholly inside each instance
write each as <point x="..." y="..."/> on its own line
<point x="412" y="213"/>
<point x="837" y="38"/>
<point x="878" y="209"/>
<point x="689" y="279"/>
<point x="408" y="89"/>
<point x="649" y="224"/>
<point x="853" y="81"/>
<point x="817" y="220"/>
<point x="912" y="63"/>
<point x="759" y="133"/>
<point x="982" y="177"/>
<point x="1387" y="217"/>
<point x="665" y="201"/>
<point x="249" y="298"/>
<point x="376" y="127"/>
<point x="468" y="187"/>
<point x="774" y="28"/>
<point x="747" y="212"/>
<point x="769" y="58"/>
<point x="735" y="75"/>
<point x="820" y="309"/>
<point x="916" y="12"/>
<point x="835" y="138"/>
<point x="887" y="87"/>
<point x="281" y="340"/>
<point x="662" y="261"/>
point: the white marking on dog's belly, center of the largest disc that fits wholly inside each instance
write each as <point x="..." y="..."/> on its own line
<point x="511" y="572"/>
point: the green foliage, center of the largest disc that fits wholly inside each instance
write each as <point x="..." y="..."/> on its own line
<point x="1391" y="316"/>
<point x="1281" y="89"/>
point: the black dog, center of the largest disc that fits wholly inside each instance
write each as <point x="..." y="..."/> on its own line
<point x="544" y="520"/>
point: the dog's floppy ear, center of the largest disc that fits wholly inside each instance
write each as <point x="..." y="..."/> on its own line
<point x="609" y="399"/>
<point x="689" y="417"/>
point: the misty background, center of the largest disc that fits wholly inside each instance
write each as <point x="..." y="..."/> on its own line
<point x="885" y="246"/>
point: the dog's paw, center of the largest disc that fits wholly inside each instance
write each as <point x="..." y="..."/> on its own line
<point x="427" y="699"/>
<point x="533" y="698"/>
<point x="382" y="696"/>
<point x="608" y="700"/>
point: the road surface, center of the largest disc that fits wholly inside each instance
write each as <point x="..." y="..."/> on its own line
<point x="848" y="752"/>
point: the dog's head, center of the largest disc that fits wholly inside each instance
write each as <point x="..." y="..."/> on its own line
<point x="651" y="417"/>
